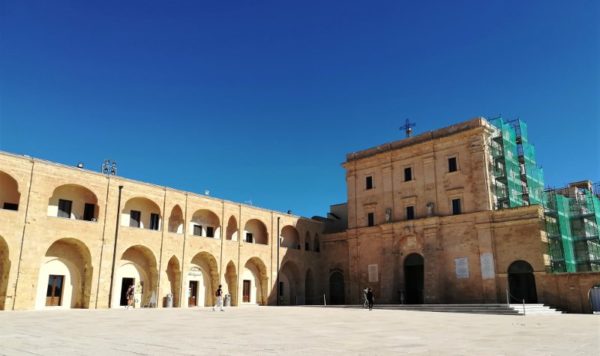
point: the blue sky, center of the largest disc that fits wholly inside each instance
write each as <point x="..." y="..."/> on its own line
<point x="261" y="100"/>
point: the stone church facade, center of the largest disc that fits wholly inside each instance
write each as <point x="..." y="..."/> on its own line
<point x="421" y="225"/>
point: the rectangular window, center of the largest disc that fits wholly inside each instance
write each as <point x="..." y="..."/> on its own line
<point x="452" y="164"/>
<point x="11" y="206"/>
<point x="64" y="208"/>
<point x="154" y="221"/>
<point x="410" y="213"/>
<point x="197" y="230"/>
<point x="210" y="231"/>
<point x="249" y="237"/>
<point x="89" y="211"/>
<point x="407" y="174"/>
<point x="135" y="217"/>
<point x="371" y="219"/>
<point x="369" y="182"/>
<point x="456" y="206"/>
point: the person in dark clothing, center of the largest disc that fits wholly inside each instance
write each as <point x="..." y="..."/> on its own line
<point x="370" y="298"/>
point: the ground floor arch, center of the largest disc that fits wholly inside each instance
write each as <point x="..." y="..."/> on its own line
<point x="201" y="281"/>
<point x="231" y="279"/>
<point x="290" y="291"/>
<point x="136" y="266"/>
<point x="521" y="283"/>
<point x="309" y="288"/>
<point x="4" y="272"/>
<point x="254" y="282"/>
<point x="337" y="292"/>
<point x="174" y="278"/>
<point x="414" y="279"/>
<point x="65" y="276"/>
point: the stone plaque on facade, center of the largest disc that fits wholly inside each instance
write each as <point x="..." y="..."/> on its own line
<point x="373" y="274"/>
<point x="462" y="267"/>
<point x="487" y="266"/>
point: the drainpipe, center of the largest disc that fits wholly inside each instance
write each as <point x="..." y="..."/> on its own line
<point x="277" y="286"/>
<point x="25" y="222"/>
<point x="112" y="270"/>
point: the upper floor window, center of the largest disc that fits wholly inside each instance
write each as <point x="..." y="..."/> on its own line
<point x="456" y="209"/>
<point x="154" y="221"/>
<point x="452" y="164"/>
<point x="410" y="213"/>
<point x="408" y="174"/>
<point x="369" y="183"/>
<point x="249" y="237"/>
<point x="64" y="208"/>
<point x="370" y="219"/>
<point x="135" y="217"/>
<point x="210" y="231"/>
<point x="197" y="230"/>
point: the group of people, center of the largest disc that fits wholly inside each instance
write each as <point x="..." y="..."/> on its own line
<point x="130" y="294"/>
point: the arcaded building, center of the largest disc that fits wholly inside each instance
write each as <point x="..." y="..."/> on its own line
<point x="73" y="238"/>
<point x="456" y="215"/>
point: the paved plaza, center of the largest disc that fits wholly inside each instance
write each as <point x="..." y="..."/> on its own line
<point x="292" y="330"/>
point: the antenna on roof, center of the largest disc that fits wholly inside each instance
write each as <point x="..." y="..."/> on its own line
<point x="407" y="127"/>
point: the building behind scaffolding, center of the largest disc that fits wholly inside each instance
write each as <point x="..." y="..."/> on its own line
<point x="572" y="216"/>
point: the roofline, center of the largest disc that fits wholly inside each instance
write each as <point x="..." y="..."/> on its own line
<point x="424" y="137"/>
<point x="87" y="171"/>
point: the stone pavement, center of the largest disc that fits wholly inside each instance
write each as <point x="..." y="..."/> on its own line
<point x="294" y="331"/>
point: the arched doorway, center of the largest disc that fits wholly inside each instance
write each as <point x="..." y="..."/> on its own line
<point x="4" y="268"/>
<point x="231" y="279"/>
<point x="413" y="279"/>
<point x="65" y="277"/>
<point x="202" y="280"/>
<point x="174" y="276"/>
<point x="176" y="220"/>
<point x="136" y="266"/>
<point x="336" y="288"/>
<point x="254" y="282"/>
<point x="521" y="283"/>
<point x="289" y="284"/>
<point x="309" y="288"/>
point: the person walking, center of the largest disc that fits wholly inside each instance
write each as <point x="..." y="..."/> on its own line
<point x="130" y="296"/>
<point x="219" y="295"/>
<point x="370" y="298"/>
<point x="365" y="301"/>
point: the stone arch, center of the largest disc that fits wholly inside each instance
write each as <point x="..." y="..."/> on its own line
<point x="176" y="220"/>
<point x="255" y="231"/>
<point x="202" y="279"/>
<point x="255" y="282"/>
<point x="9" y="192"/>
<point x="310" y="295"/>
<point x="174" y="277"/>
<point x="414" y="278"/>
<point x="65" y="276"/>
<point x="521" y="282"/>
<point x="4" y="271"/>
<point x="307" y="241"/>
<point x="232" y="229"/>
<point x="231" y="279"/>
<point x="137" y="265"/>
<point x="290" y="284"/>
<point x="149" y="214"/>
<point x="205" y="223"/>
<point x="317" y="243"/>
<point x="290" y="237"/>
<point x="73" y="201"/>
<point x="337" y="290"/>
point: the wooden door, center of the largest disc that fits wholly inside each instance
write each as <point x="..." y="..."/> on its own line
<point x="246" y="291"/>
<point x="54" y="291"/>
<point x="193" y="298"/>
